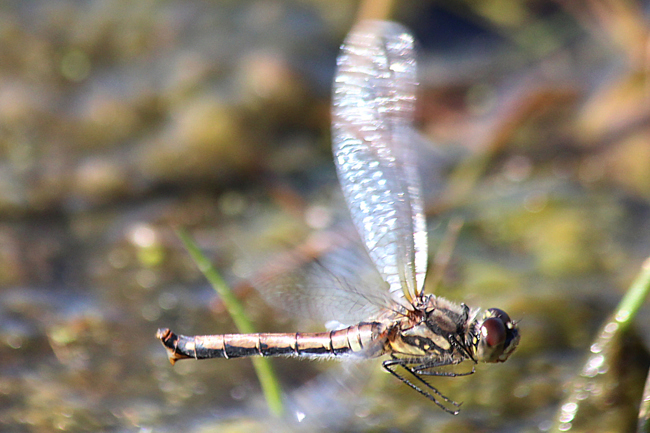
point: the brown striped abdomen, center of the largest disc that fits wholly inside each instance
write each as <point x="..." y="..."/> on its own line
<point x="363" y="337"/>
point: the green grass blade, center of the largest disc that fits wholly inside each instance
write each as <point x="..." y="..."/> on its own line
<point x="264" y="370"/>
<point x="634" y="298"/>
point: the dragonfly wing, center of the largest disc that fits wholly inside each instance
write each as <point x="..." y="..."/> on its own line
<point x="373" y="105"/>
<point x="330" y="280"/>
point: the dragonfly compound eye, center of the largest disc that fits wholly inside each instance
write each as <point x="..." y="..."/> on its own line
<point x="492" y="340"/>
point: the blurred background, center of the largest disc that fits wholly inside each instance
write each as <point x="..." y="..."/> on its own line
<point x="122" y="120"/>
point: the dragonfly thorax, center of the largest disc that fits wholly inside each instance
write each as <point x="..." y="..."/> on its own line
<point x="435" y="329"/>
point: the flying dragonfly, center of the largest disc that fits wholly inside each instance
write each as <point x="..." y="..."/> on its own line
<point x="373" y="136"/>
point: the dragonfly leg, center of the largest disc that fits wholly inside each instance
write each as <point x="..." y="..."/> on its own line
<point x="429" y="392"/>
<point x="421" y="369"/>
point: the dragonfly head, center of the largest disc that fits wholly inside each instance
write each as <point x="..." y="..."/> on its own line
<point x="497" y="336"/>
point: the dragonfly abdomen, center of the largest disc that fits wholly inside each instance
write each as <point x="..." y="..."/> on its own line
<point x="363" y="338"/>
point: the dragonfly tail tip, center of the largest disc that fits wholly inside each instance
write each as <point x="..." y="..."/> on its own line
<point x="162" y="333"/>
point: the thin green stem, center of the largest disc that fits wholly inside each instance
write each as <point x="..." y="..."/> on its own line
<point x="634" y="298"/>
<point x="265" y="374"/>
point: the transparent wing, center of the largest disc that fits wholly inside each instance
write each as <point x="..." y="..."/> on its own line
<point x="330" y="279"/>
<point x="373" y="104"/>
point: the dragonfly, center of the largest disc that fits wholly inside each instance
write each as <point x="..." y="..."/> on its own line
<point x="373" y="138"/>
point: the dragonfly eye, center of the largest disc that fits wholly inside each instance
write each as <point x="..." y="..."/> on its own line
<point x="493" y="334"/>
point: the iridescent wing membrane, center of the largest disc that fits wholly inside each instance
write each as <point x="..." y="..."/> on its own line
<point x="373" y="105"/>
<point x="327" y="279"/>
